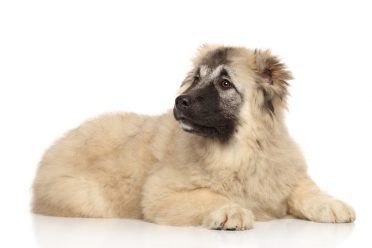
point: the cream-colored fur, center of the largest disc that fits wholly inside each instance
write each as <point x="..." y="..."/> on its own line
<point x="132" y="166"/>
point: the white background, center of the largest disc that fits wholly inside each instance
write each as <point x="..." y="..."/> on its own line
<point x="64" y="61"/>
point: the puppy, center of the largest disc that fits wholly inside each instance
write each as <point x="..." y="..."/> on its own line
<point x="221" y="160"/>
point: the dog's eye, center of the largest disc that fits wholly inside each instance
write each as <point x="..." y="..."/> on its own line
<point x="225" y="84"/>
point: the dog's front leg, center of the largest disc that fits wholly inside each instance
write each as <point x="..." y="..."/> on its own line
<point x="196" y="207"/>
<point x="308" y="202"/>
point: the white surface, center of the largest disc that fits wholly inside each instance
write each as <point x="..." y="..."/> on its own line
<point x="64" y="61"/>
<point x="57" y="232"/>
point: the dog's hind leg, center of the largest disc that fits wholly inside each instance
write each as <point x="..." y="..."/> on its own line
<point x="70" y="197"/>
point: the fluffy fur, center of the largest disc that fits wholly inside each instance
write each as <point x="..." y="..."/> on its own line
<point x="132" y="166"/>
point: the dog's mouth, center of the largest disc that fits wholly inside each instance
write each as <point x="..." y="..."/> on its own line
<point x="216" y="129"/>
<point x="193" y="127"/>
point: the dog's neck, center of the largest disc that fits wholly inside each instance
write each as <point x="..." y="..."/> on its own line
<point x="249" y="141"/>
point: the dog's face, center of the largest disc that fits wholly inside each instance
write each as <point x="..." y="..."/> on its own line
<point x="226" y="87"/>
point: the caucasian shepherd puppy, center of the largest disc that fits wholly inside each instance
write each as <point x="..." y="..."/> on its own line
<point x="222" y="159"/>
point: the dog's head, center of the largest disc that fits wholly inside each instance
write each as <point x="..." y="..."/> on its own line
<point x="228" y="87"/>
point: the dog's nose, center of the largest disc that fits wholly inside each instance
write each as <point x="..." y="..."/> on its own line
<point x="183" y="102"/>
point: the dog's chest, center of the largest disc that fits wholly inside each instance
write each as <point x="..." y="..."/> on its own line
<point x="256" y="183"/>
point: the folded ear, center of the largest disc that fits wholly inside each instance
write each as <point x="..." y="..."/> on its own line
<point x="271" y="76"/>
<point x="271" y="70"/>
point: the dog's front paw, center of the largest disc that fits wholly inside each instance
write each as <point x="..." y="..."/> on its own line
<point x="232" y="217"/>
<point x="328" y="210"/>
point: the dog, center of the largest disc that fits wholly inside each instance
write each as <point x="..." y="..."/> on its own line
<point x="221" y="159"/>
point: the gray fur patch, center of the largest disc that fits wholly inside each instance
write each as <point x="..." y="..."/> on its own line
<point x="217" y="57"/>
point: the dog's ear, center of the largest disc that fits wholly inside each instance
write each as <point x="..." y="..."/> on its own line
<point x="272" y="78"/>
<point x="270" y="69"/>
